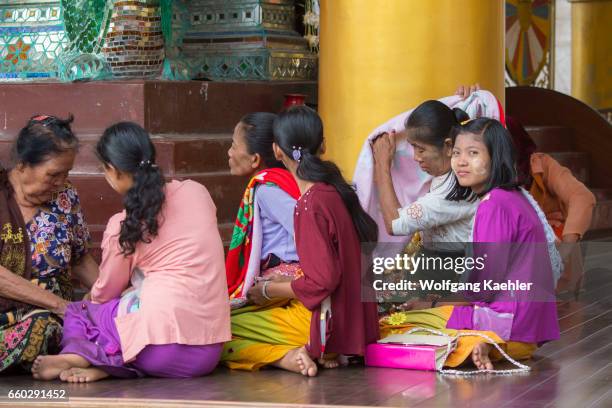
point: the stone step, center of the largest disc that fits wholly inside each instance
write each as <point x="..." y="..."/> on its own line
<point x="577" y="162"/>
<point x="96" y="231"/>
<point x="226" y="229"/>
<point x="602" y="194"/>
<point x="99" y="201"/>
<point x="552" y="138"/>
<point x="176" y="153"/>
<point x="191" y="123"/>
<point x="602" y="215"/>
<point x="602" y="235"/>
<point x="158" y="106"/>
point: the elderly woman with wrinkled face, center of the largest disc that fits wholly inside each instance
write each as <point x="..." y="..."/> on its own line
<point x="43" y="241"/>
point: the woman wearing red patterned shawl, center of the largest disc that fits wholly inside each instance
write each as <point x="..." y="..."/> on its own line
<point x="318" y="315"/>
<point x="262" y="240"/>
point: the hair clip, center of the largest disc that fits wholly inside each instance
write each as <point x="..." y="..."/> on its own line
<point x="147" y="163"/>
<point x="465" y="122"/>
<point x="40" y="118"/>
<point x="44" y="120"/>
<point x="297" y="153"/>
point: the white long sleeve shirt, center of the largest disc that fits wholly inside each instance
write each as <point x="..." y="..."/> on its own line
<point x="437" y="219"/>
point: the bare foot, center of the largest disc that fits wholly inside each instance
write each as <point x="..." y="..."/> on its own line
<point x="298" y="361"/>
<point x="333" y="360"/>
<point x="480" y="356"/>
<point x="329" y="362"/>
<point x="49" y="367"/>
<point x="82" y="375"/>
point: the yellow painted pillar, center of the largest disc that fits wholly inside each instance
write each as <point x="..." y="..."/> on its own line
<point x="592" y="52"/>
<point x="378" y="59"/>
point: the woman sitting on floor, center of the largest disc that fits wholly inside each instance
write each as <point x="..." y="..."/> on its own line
<point x="43" y="242"/>
<point x="262" y="240"/>
<point x="511" y="229"/>
<point x="319" y="312"/>
<point x="444" y="226"/>
<point x="174" y="319"/>
<point x="567" y="203"/>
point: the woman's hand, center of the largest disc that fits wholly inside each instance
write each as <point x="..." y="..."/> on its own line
<point x="86" y="271"/>
<point x="383" y="149"/>
<point x="278" y="288"/>
<point x="17" y="288"/>
<point x="60" y="308"/>
<point x="571" y="238"/>
<point x="464" y="91"/>
<point x="279" y="277"/>
<point x="255" y="294"/>
<point x="418" y="304"/>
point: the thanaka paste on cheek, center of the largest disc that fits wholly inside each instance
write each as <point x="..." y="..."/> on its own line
<point x="480" y="168"/>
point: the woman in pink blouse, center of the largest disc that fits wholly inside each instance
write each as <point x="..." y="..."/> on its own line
<point x="159" y="306"/>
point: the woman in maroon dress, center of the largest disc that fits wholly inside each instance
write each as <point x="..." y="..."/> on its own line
<point x="324" y="317"/>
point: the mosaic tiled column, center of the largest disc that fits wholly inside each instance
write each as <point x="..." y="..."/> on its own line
<point x="175" y="23"/>
<point x="246" y="39"/>
<point x="134" y="45"/>
<point x="86" y="22"/>
<point x="32" y="37"/>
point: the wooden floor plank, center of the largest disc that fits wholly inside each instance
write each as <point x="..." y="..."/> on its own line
<point x="571" y="347"/>
<point x="604" y="400"/>
<point x="575" y="361"/>
<point x="383" y="383"/>
<point x="588" y="330"/>
<point x="584" y="391"/>
<point x="576" y="370"/>
<point x="569" y="374"/>
<point x="497" y="391"/>
<point x="597" y="286"/>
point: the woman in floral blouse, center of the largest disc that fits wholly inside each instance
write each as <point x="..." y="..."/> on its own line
<point x="36" y="268"/>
